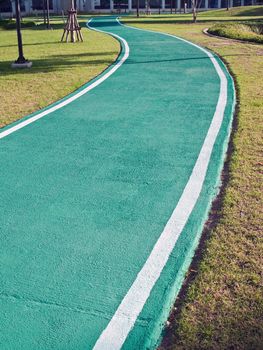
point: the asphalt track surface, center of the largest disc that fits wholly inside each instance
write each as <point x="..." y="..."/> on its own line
<point x="104" y="196"/>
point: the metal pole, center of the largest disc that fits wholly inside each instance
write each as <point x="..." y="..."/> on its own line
<point x="48" y="18"/>
<point x="137" y="7"/>
<point x="44" y="11"/>
<point x="21" y="58"/>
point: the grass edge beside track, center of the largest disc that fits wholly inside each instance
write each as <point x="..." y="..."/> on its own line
<point x="197" y="322"/>
<point x="203" y="335"/>
<point x="58" y="70"/>
<point x="211" y="223"/>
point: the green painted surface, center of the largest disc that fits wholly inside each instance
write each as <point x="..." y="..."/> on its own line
<point x="87" y="190"/>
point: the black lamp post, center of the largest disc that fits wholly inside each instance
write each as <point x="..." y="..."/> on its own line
<point x="21" y="58"/>
<point x="44" y="11"/>
<point x="21" y="61"/>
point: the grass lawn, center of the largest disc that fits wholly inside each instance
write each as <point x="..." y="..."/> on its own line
<point x="223" y="305"/>
<point x="234" y="14"/>
<point x="58" y="68"/>
<point x="245" y="11"/>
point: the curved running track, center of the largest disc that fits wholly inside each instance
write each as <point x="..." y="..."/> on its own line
<point x="105" y="193"/>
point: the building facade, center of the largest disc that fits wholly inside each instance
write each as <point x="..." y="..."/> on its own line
<point x="31" y="7"/>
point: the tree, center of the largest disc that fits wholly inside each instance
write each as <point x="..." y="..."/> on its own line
<point x="44" y="11"/>
<point x="194" y="10"/>
<point x="147" y="7"/>
<point x="195" y="5"/>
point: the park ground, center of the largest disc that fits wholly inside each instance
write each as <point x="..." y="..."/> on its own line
<point x="221" y="305"/>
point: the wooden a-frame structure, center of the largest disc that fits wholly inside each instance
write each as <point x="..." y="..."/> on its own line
<point x="72" y="26"/>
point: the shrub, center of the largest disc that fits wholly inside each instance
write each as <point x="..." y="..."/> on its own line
<point x="248" y="31"/>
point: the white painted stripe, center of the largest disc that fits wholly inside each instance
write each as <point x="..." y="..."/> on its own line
<point x="115" y="334"/>
<point x="78" y="94"/>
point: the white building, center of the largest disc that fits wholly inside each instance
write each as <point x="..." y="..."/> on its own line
<point x="30" y="7"/>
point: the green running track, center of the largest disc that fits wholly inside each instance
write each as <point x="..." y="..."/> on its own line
<point x="104" y="195"/>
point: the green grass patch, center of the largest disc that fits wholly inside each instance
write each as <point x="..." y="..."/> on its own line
<point x="223" y="307"/>
<point x="58" y="68"/>
<point x="252" y="32"/>
<point x="11" y="24"/>
<point x="243" y="11"/>
<point x="247" y="13"/>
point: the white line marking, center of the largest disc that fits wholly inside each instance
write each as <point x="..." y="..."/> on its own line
<point x="78" y="94"/>
<point x="115" y="334"/>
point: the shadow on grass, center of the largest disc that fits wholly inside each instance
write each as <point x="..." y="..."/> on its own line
<point x="83" y="54"/>
<point x="251" y="12"/>
<point x="32" y="44"/>
<point x="66" y="62"/>
<point x="57" y="63"/>
<point x="42" y="26"/>
<point x="61" y="25"/>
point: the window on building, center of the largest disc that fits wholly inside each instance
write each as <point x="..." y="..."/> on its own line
<point x="38" y="4"/>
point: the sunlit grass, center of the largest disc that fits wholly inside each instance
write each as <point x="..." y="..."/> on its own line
<point x="58" y="68"/>
<point x="223" y="306"/>
<point x="234" y="14"/>
<point x="241" y="31"/>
